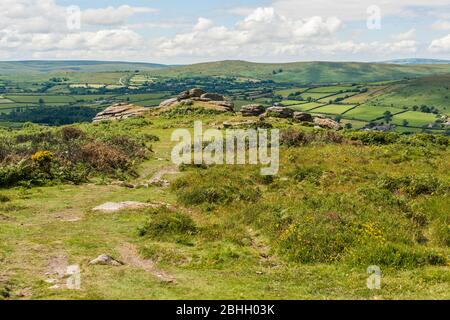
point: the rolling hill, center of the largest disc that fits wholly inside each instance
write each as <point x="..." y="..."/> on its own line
<point x="305" y="72"/>
<point x="35" y="66"/>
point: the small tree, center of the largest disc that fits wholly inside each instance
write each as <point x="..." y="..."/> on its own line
<point x="387" y="116"/>
<point x="405" y="123"/>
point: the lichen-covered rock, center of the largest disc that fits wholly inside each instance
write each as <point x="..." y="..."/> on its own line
<point x="192" y="93"/>
<point x="212" y="97"/>
<point x="280" y="112"/>
<point x="327" y="123"/>
<point x="225" y="106"/>
<point x="120" y="111"/>
<point x="303" y="116"/>
<point x="252" y="110"/>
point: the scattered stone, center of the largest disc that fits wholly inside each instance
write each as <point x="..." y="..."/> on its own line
<point x="252" y="110"/>
<point x="120" y="111"/>
<point x="280" y="112"/>
<point x="327" y="123"/>
<point x="303" y="117"/>
<point x="105" y="260"/>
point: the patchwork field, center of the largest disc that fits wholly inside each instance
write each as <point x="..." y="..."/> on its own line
<point x="334" y="108"/>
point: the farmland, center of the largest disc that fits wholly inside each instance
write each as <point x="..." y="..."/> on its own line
<point x="354" y="101"/>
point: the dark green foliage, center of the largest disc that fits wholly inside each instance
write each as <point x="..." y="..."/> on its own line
<point x="166" y="223"/>
<point x="214" y="186"/>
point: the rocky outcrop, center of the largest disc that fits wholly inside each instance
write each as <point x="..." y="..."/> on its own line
<point x="252" y="110"/>
<point x="280" y="112"/>
<point x="192" y="93"/>
<point x="120" y="111"/>
<point x="303" y="117"/>
<point x="327" y="123"/>
<point x="203" y="99"/>
<point x="212" y="97"/>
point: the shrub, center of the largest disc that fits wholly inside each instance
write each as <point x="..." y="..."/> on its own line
<point x="374" y="137"/>
<point x="72" y="133"/>
<point x="311" y="174"/>
<point x="293" y="138"/>
<point x="394" y="255"/>
<point x="104" y="158"/>
<point x="412" y="185"/>
<point x="167" y="223"/>
<point x="215" y="186"/>
<point x="4" y="198"/>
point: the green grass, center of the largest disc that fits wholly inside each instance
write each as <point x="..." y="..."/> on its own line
<point x="430" y="91"/>
<point x="306" y="106"/>
<point x="414" y="118"/>
<point x="234" y="233"/>
<point x="35" y="98"/>
<point x="333" y="109"/>
<point x="330" y="89"/>
<point x="367" y="113"/>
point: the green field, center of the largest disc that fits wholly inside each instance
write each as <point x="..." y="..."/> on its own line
<point x="334" y="108"/>
<point x="367" y="113"/>
<point x="414" y="118"/>
<point x="330" y="89"/>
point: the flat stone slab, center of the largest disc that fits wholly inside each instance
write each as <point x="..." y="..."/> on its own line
<point x="119" y="206"/>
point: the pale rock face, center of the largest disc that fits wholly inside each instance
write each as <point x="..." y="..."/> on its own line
<point x="105" y="260"/>
<point x="120" y="111"/>
<point x="327" y="123"/>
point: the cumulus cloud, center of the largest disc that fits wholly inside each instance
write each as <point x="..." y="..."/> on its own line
<point x="112" y="16"/>
<point x="261" y="32"/>
<point x="441" y="45"/>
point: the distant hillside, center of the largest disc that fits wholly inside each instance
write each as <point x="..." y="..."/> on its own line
<point x="417" y="61"/>
<point x="34" y="66"/>
<point x="306" y="72"/>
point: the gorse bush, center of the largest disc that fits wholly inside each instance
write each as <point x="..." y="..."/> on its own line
<point x="412" y="185"/>
<point x="37" y="155"/>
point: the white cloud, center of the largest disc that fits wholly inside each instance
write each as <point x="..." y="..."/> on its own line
<point x="203" y="24"/>
<point x="441" y="25"/>
<point x="441" y="45"/>
<point x="408" y="35"/>
<point x="354" y="10"/>
<point x="112" y="16"/>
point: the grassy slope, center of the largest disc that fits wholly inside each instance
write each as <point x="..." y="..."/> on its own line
<point x="431" y="91"/>
<point x="14" y="67"/>
<point x="39" y="227"/>
<point x="305" y="72"/>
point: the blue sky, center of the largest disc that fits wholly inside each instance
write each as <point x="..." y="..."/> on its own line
<point x="175" y="31"/>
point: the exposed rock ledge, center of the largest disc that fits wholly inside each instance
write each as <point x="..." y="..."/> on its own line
<point x="120" y="111"/>
<point x="200" y="98"/>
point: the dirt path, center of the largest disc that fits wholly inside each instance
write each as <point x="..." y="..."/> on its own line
<point x="131" y="257"/>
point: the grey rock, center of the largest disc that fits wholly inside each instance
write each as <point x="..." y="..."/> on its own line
<point x="105" y="260"/>
<point x="252" y="110"/>
<point x="213" y="96"/>
<point x="303" y="116"/>
<point x="280" y="112"/>
<point x="327" y="123"/>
